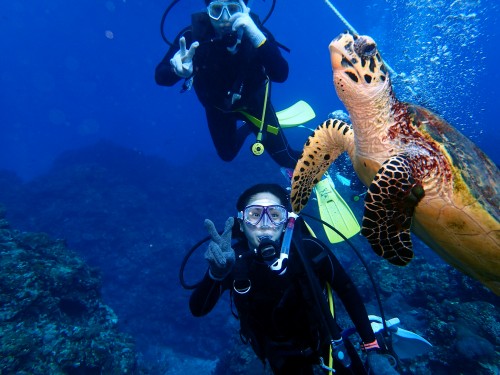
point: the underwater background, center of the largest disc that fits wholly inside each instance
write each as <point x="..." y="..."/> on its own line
<point x="106" y="178"/>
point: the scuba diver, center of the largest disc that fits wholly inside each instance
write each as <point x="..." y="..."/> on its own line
<point x="230" y="62"/>
<point x="278" y="276"/>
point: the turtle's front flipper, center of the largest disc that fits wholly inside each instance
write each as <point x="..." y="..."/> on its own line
<point x="389" y="206"/>
<point x="327" y="142"/>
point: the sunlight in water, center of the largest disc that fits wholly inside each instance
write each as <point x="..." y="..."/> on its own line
<point x="440" y="54"/>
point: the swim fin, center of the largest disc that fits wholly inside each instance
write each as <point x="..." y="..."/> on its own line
<point x="299" y="113"/>
<point x="335" y="211"/>
<point x="295" y="115"/>
<point x="405" y="343"/>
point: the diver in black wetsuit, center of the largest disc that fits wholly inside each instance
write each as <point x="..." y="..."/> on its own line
<point x="277" y="287"/>
<point x="231" y="60"/>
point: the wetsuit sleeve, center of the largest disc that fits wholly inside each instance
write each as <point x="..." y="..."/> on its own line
<point x="205" y="296"/>
<point x="164" y="73"/>
<point x="271" y="59"/>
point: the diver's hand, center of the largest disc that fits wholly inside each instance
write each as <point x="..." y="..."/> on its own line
<point x="220" y="255"/>
<point x="243" y="21"/>
<point x="182" y="62"/>
<point x="379" y="364"/>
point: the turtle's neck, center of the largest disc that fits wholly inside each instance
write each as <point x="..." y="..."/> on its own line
<point x="371" y="117"/>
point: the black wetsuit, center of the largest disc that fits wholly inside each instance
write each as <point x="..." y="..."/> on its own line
<point x="218" y="74"/>
<point x="277" y="314"/>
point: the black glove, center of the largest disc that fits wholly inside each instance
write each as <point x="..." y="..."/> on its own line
<point x="220" y="255"/>
<point x="378" y="364"/>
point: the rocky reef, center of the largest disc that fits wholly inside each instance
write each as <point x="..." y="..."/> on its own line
<point x="52" y="320"/>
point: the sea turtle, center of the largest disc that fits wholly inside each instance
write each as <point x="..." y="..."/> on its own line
<point x="421" y="172"/>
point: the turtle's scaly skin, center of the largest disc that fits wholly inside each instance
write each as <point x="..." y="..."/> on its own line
<point x="421" y="172"/>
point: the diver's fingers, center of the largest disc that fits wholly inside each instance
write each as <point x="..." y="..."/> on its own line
<point x="228" y="230"/>
<point x="192" y="50"/>
<point x="182" y="45"/>
<point x="212" y="231"/>
<point x="244" y="7"/>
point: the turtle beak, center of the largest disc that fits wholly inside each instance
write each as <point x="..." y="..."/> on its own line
<point x="338" y="47"/>
<point x="335" y="57"/>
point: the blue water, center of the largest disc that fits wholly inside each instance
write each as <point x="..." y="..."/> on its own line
<point x="75" y="73"/>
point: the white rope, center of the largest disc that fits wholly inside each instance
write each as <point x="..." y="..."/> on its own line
<point x="344" y="21"/>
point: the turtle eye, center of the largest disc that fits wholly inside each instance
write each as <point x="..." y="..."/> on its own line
<point x="365" y="47"/>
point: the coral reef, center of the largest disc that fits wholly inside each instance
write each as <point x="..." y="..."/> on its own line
<point x="52" y="320"/>
<point x="455" y="313"/>
<point x="133" y="217"/>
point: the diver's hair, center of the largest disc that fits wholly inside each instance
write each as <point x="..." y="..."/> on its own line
<point x="209" y="1"/>
<point x="280" y="192"/>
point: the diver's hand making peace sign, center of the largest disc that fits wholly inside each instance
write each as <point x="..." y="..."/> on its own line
<point x="220" y="255"/>
<point x="242" y="22"/>
<point x="182" y="62"/>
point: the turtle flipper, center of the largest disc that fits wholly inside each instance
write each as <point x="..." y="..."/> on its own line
<point x="389" y="206"/>
<point x="327" y="142"/>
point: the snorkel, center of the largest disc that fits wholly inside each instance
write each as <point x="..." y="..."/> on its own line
<point x="279" y="266"/>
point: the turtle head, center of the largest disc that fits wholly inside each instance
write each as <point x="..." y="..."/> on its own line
<point x="358" y="69"/>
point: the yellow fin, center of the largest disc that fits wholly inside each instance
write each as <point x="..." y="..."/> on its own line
<point x="335" y="211"/>
<point x="297" y="114"/>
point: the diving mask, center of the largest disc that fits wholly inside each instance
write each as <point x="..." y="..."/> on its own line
<point x="216" y="8"/>
<point x="265" y="215"/>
